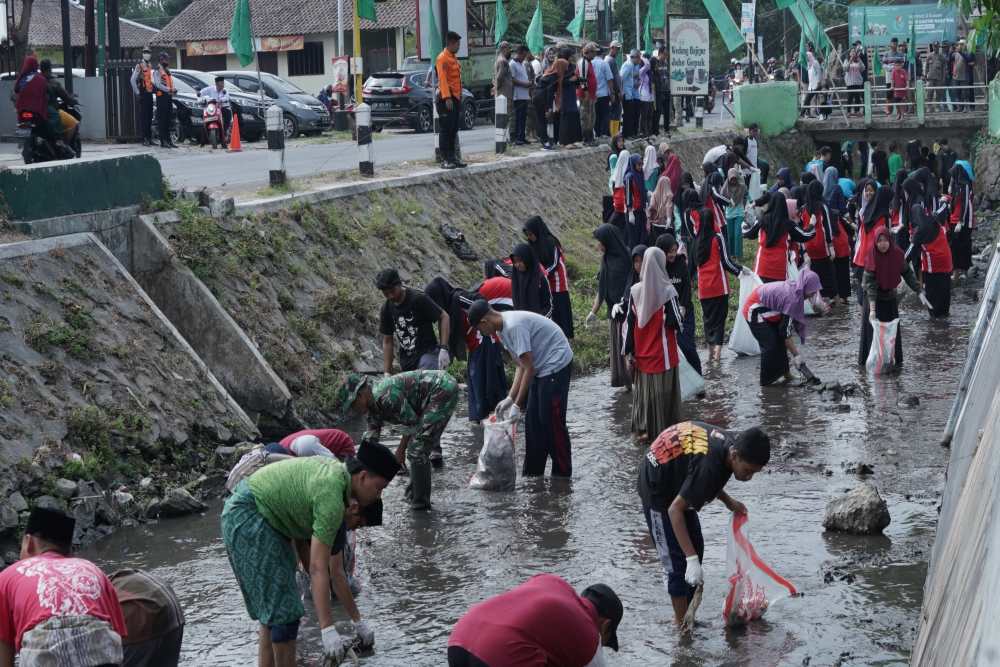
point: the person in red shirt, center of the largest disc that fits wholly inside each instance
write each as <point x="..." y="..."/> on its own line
<point x="931" y="240"/>
<point x="56" y="610"/>
<point x="816" y="216"/>
<point x="873" y="214"/>
<point x="713" y="286"/>
<point x="542" y="622"/>
<point x="654" y="319"/>
<point x="333" y="442"/>
<point x="773" y="229"/>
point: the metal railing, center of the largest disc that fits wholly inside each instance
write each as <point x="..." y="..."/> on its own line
<point x="920" y="100"/>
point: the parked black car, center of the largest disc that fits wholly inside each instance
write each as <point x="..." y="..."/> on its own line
<point x="302" y="112"/>
<point x="252" y="112"/>
<point x="404" y="98"/>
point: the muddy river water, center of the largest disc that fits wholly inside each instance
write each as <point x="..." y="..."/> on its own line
<point x="861" y="596"/>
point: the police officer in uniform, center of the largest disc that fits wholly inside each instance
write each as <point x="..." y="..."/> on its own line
<point x="163" y="81"/>
<point x="142" y="86"/>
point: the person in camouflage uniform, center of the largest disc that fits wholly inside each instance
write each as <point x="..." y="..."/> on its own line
<point x="421" y="402"/>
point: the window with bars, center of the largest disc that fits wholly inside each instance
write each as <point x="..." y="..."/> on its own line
<point x="308" y="61"/>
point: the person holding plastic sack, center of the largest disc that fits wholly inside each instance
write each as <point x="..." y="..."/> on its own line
<point x="816" y="216"/>
<point x="613" y="278"/>
<point x="874" y="213"/>
<point x="713" y="284"/>
<point x="540" y="622"/>
<point x="883" y="271"/>
<point x="961" y="219"/>
<point x="651" y="348"/>
<point x="680" y="278"/>
<point x="931" y="240"/>
<point x="774" y="311"/>
<point x="541" y="384"/>
<point x="773" y="228"/>
<point x="487" y="382"/>
<point x="687" y="466"/>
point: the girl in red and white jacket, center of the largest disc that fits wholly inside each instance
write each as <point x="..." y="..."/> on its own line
<point x="961" y="220"/>
<point x="773" y="230"/>
<point x="873" y="213"/>
<point x="930" y="239"/>
<point x="713" y="286"/>
<point x="651" y="348"/>
<point x="816" y="216"/>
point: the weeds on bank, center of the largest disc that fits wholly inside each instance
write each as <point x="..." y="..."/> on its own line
<point x="74" y="335"/>
<point x="95" y="431"/>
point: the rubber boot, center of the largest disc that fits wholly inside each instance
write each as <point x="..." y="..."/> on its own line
<point x="437" y="459"/>
<point x="418" y="491"/>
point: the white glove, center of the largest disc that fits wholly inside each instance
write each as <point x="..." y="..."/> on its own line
<point x="796" y="361"/>
<point x="692" y="573"/>
<point x="617" y="310"/>
<point x="334" y="646"/>
<point x="746" y="271"/>
<point x="443" y="359"/>
<point x="514" y="413"/>
<point x="924" y="300"/>
<point x="683" y="312"/>
<point x="958" y="227"/>
<point x="591" y="316"/>
<point x="503" y="407"/>
<point x="631" y="217"/>
<point x="364" y="633"/>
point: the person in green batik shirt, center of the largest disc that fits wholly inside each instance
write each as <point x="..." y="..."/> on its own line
<point x="421" y="402"/>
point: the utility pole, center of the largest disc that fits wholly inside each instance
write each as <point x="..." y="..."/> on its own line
<point x="101" y="23"/>
<point x="358" y="62"/>
<point x="784" y="38"/>
<point x="638" y="28"/>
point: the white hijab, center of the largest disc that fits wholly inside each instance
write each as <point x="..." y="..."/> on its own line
<point x="654" y="288"/>
<point x="649" y="162"/>
<point x="621" y="167"/>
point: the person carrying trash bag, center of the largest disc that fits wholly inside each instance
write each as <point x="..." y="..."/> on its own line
<point x="885" y="267"/>
<point x="686" y="467"/>
<point x="421" y="402"/>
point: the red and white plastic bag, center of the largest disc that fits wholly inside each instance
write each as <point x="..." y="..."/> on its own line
<point x="753" y="585"/>
<point x="882" y="354"/>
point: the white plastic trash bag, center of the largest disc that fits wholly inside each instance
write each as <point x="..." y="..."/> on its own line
<point x="755" y="189"/>
<point x="692" y="383"/>
<point x="753" y="585"/>
<point x="742" y="340"/>
<point x="793" y="274"/>
<point x="882" y="353"/>
<point x="496" y="469"/>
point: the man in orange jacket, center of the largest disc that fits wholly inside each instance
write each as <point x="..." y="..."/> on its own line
<point x="449" y="102"/>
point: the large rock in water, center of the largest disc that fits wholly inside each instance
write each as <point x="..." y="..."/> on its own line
<point x="179" y="502"/>
<point x="861" y="512"/>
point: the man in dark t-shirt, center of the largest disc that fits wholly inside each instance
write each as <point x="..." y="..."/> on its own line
<point x="408" y="317"/>
<point x="686" y="467"/>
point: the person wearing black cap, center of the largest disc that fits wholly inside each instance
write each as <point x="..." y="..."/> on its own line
<point x="298" y="499"/>
<point x="408" y="317"/>
<point x="541" y="383"/>
<point x="686" y="467"/>
<point x="56" y="610"/>
<point x="541" y="622"/>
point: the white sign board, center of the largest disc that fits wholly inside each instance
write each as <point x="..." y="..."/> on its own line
<point x="3" y="21"/>
<point x="747" y="21"/>
<point x="589" y="9"/>
<point x="457" y="22"/>
<point x="689" y="56"/>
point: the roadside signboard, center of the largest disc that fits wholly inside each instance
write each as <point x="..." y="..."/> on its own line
<point x="689" y="71"/>
<point x="934" y="23"/>
<point x="341" y="73"/>
<point x="747" y="21"/>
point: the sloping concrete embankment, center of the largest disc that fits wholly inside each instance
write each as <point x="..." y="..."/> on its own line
<point x="958" y="621"/>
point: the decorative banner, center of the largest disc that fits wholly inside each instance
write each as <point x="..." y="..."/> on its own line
<point x="341" y="73"/>
<point x="813" y="29"/>
<point x="724" y="22"/>
<point x="282" y="43"/>
<point x="933" y="23"/>
<point x="747" y="21"/>
<point x="212" y="47"/>
<point x="688" y="56"/>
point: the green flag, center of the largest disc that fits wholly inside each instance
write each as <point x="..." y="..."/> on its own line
<point x="434" y="41"/>
<point x="911" y="50"/>
<point x="803" y="63"/>
<point x="723" y="20"/>
<point x="500" y="27"/>
<point x="877" y="67"/>
<point x="534" y="38"/>
<point x="655" y="14"/>
<point x="366" y="9"/>
<point x="647" y="35"/>
<point x="575" y="26"/>
<point x="864" y="29"/>
<point x="241" y="34"/>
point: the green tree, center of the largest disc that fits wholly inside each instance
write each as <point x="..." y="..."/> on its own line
<point x="986" y="25"/>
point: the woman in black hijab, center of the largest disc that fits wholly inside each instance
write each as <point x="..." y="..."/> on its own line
<point x="615" y="274"/>
<point x="880" y="165"/>
<point x="680" y="278"/>
<point x="820" y="248"/>
<point x="448" y="299"/>
<point x="961" y="219"/>
<point x="549" y="253"/>
<point x="930" y="241"/>
<point x="529" y="285"/>
<point x="913" y="195"/>
<point x="772" y="229"/>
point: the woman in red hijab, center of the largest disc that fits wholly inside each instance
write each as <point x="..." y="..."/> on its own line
<point x="885" y="267"/>
<point x="31" y="90"/>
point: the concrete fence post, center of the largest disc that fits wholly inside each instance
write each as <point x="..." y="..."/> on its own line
<point x="500" y="114"/>
<point x="699" y="116"/>
<point x="366" y="151"/>
<point x="275" y="125"/>
<point x="868" y="103"/>
<point x="920" y="99"/>
<point x="437" y="132"/>
<point x="993" y="107"/>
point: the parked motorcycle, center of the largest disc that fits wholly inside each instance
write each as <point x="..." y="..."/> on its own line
<point x="211" y="117"/>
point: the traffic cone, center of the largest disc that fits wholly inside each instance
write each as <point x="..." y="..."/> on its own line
<point x="234" y="141"/>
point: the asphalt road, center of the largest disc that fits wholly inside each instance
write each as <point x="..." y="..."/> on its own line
<point x="191" y="166"/>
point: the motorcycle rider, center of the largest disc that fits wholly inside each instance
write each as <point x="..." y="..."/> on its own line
<point x="142" y="86"/>
<point x="219" y="93"/>
<point x="64" y="125"/>
<point x="31" y="92"/>
<point x="163" y="81"/>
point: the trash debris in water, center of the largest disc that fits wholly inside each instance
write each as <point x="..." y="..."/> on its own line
<point x="753" y="585"/>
